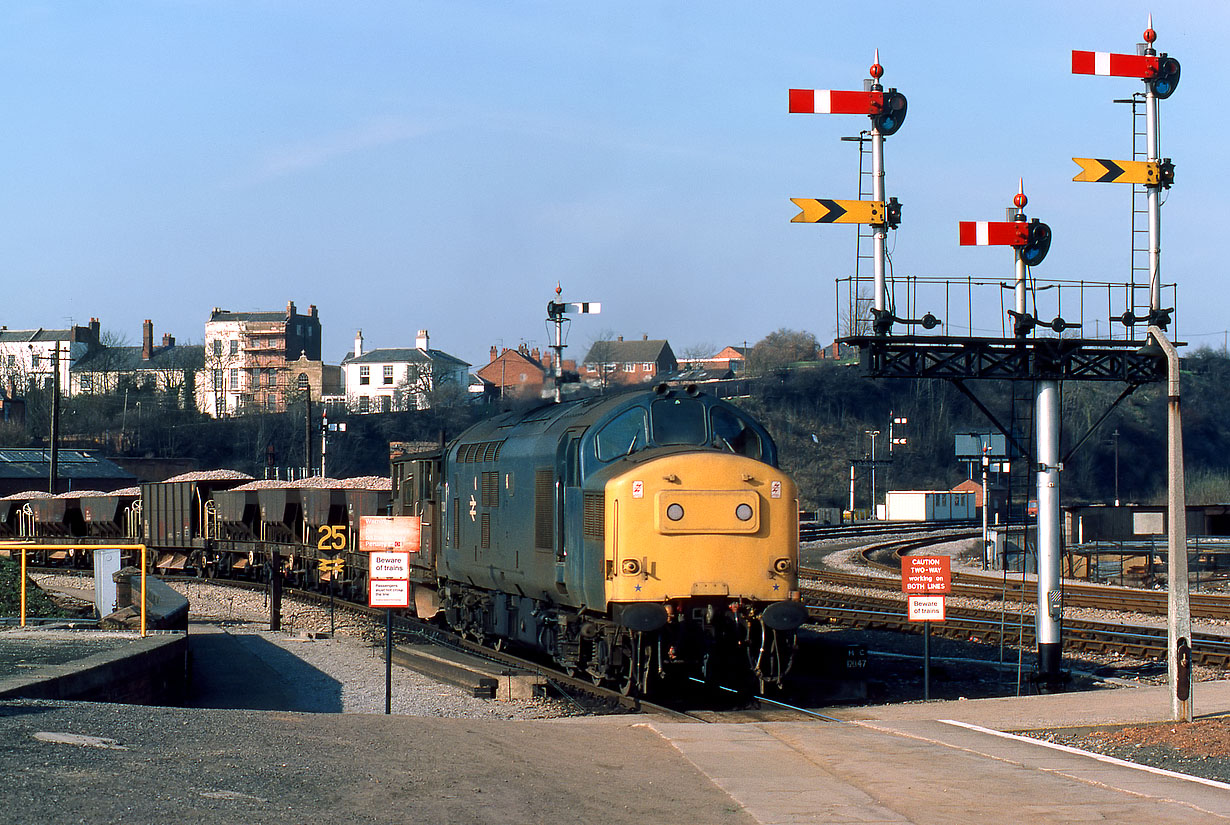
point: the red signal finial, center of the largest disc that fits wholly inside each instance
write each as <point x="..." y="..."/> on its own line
<point x="1150" y="35"/>
<point x="558" y="288"/>
<point x="876" y="70"/>
<point x="1019" y="200"/>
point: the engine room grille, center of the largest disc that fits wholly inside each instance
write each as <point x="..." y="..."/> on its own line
<point x="593" y="517"/>
<point x="485" y="537"/>
<point x="491" y="488"/>
<point x="544" y="508"/>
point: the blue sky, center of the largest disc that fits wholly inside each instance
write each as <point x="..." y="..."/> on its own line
<point x="443" y="164"/>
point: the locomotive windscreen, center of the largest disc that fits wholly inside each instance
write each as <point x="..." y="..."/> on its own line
<point x="678" y="421"/>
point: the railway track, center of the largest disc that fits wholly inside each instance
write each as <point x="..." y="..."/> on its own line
<point x="1001" y="626"/>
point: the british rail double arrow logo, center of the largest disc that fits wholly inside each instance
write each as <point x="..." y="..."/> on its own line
<point x="822" y="210"/>
<point x="1101" y="170"/>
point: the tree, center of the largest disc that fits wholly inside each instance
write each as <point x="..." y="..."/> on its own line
<point x="601" y="358"/>
<point x="778" y="350"/>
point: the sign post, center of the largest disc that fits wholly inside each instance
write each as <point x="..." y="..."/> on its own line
<point x="922" y="578"/>
<point x="388" y="582"/>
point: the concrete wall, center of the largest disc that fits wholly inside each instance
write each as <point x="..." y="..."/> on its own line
<point x="148" y="671"/>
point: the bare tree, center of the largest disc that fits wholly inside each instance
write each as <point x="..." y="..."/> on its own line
<point x="779" y="349"/>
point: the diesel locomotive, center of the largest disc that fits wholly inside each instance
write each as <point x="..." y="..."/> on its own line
<point x="638" y="538"/>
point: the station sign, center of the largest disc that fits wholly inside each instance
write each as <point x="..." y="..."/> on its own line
<point x="388" y="564"/>
<point x="926" y="575"/>
<point x="926" y="609"/>
<point x="388" y="593"/>
<point x="390" y="533"/>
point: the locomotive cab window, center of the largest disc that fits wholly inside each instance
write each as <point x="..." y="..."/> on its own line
<point x="731" y="432"/>
<point x="678" y="421"/>
<point x="624" y="434"/>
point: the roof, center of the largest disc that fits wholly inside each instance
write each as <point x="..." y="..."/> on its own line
<point x="29" y="335"/>
<point x="226" y="315"/>
<point x="612" y="351"/>
<point x="396" y="355"/>
<point x="128" y="359"/>
<point x="35" y="463"/>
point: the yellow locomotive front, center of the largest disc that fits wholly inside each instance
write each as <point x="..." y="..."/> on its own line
<point x="700" y="546"/>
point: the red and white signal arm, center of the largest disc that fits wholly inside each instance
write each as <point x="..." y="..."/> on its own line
<point x="1109" y="64"/>
<point x="993" y="233"/>
<point x="830" y="102"/>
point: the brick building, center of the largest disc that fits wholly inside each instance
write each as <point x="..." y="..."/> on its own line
<point x="621" y="362"/>
<point x="247" y="356"/>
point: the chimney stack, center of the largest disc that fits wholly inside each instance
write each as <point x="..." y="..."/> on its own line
<point x="422" y="341"/>
<point x="290" y="309"/>
<point x="358" y="343"/>
<point x="147" y="340"/>
<point x="494" y="354"/>
<point x="168" y="340"/>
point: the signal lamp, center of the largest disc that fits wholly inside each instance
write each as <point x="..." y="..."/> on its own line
<point x="892" y="213"/>
<point x="1165" y="173"/>
<point x="1166" y="79"/>
<point x="1038" y="243"/>
<point x="892" y="113"/>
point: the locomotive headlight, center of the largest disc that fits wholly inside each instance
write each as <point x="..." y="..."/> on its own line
<point x="782" y="565"/>
<point x="631" y="567"/>
<point x="674" y="512"/>
<point x="744" y="512"/>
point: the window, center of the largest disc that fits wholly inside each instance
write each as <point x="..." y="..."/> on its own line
<point x="12" y="361"/>
<point x="730" y="432"/>
<point x="386" y="403"/>
<point x="217" y="346"/>
<point x="678" y="421"/>
<point x="588" y="367"/>
<point x="87" y="383"/>
<point x="647" y="366"/>
<point x="34" y="360"/>
<point x="234" y="347"/>
<point x="364" y="404"/>
<point x="365" y="375"/>
<point x="388" y="373"/>
<point x="629" y="367"/>
<point x="624" y="434"/>
<point x="217" y="379"/>
<point x="234" y="379"/>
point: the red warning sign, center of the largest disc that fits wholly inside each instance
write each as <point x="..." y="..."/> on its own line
<point x="926" y="575"/>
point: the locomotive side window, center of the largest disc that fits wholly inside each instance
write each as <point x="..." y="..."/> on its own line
<point x="678" y="421"/>
<point x="624" y="434"/>
<point x="733" y="433"/>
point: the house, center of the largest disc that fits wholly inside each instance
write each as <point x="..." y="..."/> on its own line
<point x="397" y="379"/>
<point x="29" y="356"/>
<point x="522" y="372"/>
<point x="247" y="357"/>
<point x="730" y="359"/>
<point x="621" y="362"/>
<point x="167" y="368"/>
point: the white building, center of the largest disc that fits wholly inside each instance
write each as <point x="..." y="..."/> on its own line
<point x="27" y="355"/>
<point x="393" y="380"/>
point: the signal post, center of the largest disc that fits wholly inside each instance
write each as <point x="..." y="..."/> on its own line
<point x="1024" y="355"/>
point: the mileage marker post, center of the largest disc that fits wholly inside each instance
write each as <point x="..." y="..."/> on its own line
<point x="926" y="580"/>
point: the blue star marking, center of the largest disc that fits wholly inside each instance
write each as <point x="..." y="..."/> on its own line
<point x="777" y="586"/>
<point x="638" y="588"/>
